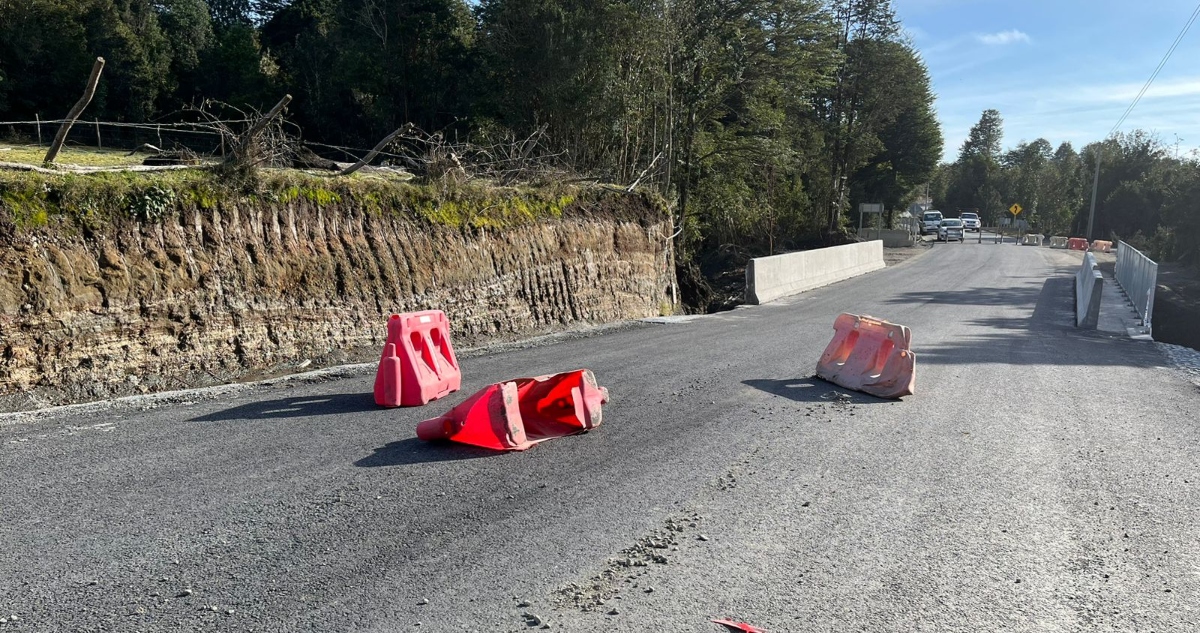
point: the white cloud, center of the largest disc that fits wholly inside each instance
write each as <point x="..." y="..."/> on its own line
<point x="1002" y="38"/>
<point x="1175" y="87"/>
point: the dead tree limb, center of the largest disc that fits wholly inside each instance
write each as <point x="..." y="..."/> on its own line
<point x="644" y="172"/>
<point x="374" y="152"/>
<point x="247" y="140"/>
<point x="144" y="146"/>
<point x="83" y="102"/>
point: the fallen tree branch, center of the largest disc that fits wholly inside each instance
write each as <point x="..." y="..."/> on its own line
<point x="375" y="151"/>
<point x="644" y="172"/>
<point x="88" y="93"/>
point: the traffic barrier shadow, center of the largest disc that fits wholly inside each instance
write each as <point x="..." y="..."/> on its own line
<point x="416" y="451"/>
<point x="810" y="389"/>
<point x="1026" y="295"/>
<point x="286" y="408"/>
<point x="1053" y="310"/>
<point x="1047" y="336"/>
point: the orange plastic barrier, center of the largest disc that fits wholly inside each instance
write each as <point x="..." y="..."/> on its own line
<point x="418" y="363"/>
<point x="871" y="356"/>
<point x="1103" y="246"/>
<point x="514" y="415"/>
<point x="1077" y="244"/>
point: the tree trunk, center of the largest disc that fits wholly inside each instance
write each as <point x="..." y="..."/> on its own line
<point x="88" y="92"/>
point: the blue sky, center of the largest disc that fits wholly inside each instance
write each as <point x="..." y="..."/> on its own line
<point x="1064" y="70"/>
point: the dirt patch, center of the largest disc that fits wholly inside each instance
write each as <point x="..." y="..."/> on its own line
<point x="901" y="254"/>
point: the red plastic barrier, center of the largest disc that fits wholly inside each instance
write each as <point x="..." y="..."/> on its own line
<point x="514" y="415"/>
<point x="871" y="356"/>
<point x="1077" y="244"/>
<point x="738" y="626"/>
<point x="418" y="363"/>
<point x="1102" y="246"/>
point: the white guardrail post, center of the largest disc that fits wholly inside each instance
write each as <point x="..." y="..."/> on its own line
<point x="1137" y="275"/>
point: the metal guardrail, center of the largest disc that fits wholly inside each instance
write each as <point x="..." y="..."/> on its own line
<point x="1137" y="275"/>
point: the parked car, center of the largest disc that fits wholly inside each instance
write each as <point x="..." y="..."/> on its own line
<point x="950" y="229"/>
<point x="930" y="221"/>
<point x="970" y="221"/>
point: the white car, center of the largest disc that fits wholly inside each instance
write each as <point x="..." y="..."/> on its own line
<point x="951" y="229"/>
<point x="930" y="221"/>
<point x="970" y="221"/>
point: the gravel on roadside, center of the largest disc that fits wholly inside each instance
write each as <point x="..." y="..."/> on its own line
<point x="1183" y="359"/>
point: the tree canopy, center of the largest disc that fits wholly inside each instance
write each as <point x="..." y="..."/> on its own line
<point x="761" y="121"/>
<point x="1145" y="194"/>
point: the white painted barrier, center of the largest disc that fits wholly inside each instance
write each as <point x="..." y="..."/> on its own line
<point x="1089" y="286"/>
<point x="892" y="238"/>
<point x="1058" y="242"/>
<point x="1137" y="275"/>
<point x="770" y="278"/>
<point x="1033" y="239"/>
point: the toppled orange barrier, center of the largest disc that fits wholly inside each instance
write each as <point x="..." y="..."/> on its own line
<point x="514" y="415"/>
<point x="1103" y="246"/>
<point x="738" y="626"/>
<point x="870" y="355"/>
<point x="418" y="362"/>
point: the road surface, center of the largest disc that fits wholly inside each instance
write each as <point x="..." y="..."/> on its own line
<point x="1041" y="479"/>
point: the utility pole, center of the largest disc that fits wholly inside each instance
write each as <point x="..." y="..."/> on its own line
<point x="1095" y="185"/>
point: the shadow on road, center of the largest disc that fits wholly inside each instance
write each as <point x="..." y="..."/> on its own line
<point x="284" y="408"/>
<point x="974" y="296"/>
<point x="415" y="451"/>
<point x="1047" y="336"/>
<point x="811" y="389"/>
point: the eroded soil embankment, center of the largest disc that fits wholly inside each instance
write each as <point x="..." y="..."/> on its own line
<point x="205" y="296"/>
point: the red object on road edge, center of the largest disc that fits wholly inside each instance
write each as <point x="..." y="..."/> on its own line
<point x="387" y="378"/>
<point x="870" y="355"/>
<point x="739" y="626"/>
<point x="515" y="415"/>
<point x="418" y="363"/>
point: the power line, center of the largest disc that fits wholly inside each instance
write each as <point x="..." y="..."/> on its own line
<point x="1154" y="75"/>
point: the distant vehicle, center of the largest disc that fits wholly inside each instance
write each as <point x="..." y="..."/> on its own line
<point x="951" y="229"/>
<point x="970" y="221"/>
<point x="930" y="221"/>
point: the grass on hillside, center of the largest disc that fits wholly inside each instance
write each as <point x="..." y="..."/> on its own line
<point x="81" y="156"/>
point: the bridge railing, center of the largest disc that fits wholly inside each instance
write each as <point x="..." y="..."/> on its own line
<point x="1137" y="275"/>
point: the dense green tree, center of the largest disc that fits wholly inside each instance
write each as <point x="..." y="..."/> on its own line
<point x="760" y="121"/>
<point x="975" y="183"/>
<point x="1025" y="175"/>
<point x="362" y="68"/>
<point x="907" y="139"/>
<point x="1061" y="195"/>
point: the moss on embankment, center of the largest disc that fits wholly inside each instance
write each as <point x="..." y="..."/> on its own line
<point x="32" y="200"/>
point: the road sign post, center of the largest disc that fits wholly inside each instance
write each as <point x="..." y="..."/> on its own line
<point x="865" y="208"/>
<point x="1015" y="210"/>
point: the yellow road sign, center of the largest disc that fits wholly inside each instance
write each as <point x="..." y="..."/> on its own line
<point x="1015" y="209"/>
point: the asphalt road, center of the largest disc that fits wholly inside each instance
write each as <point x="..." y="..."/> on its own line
<point x="1041" y="479"/>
